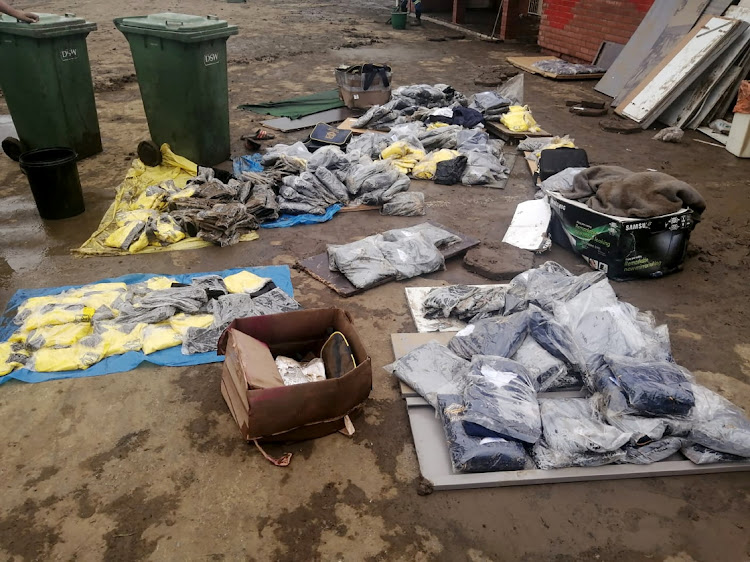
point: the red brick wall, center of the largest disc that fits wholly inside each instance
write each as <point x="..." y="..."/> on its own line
<point x="574" y="29"/>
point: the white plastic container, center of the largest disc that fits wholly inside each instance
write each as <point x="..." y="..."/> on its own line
<point x="739" y="136"/>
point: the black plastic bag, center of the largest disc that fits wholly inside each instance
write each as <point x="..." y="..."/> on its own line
<point x="450" y="172"/>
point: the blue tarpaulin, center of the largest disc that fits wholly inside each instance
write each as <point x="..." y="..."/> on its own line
<point x="171" y="357"/>
<point x="293" y="220"/>
<point x="247" y="163"/>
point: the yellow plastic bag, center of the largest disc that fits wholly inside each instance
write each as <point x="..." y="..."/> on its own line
<point x="181" y="322"/>
<point x="61" y="335"/>
<point x="403" y="155"/>
<point x="167" y="230"/>
<point x="124" y="217"/>
<point x="245" y="282"/>
<point x="77" y="356"/>
<point x="156" y="337"/>
<point x="519" y="119"/>
<point x="52" y="315"/>
<point x="125" y="236"/>
<point x="117" y="339"/>
<point x="159" y="283"/>
<point x="426" y="169"/>
<point x="139" y="244"/>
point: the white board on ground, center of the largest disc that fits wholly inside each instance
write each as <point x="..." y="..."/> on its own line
<point x="528" y="229"/>
<point x="677" y="70"/>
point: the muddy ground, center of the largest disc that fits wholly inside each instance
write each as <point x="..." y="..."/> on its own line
<point x="150" y="465"/>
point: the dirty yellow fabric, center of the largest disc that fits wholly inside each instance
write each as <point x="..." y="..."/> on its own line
<point x="519" y="119"/>
<point x="426" y="169"/>
<point x="245" y="282"/>
<point x="60" y="335"/>
<point x="557" y="142"/>
<point x="77" y="356"/>
<point x="6" y="364"/>
<point x="156" y="337"/>
<point x="118" y="339"/>
<point x="131" y="197"/>
<point x="159" y="283"/>
<point x="167" y="230"/>
<point x="403" y="155"/>
<point x="94" y="296"/>
<point x="181" y="322"/>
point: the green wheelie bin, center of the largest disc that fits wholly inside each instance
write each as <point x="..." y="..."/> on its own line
<point x="46" y="79"/>
<point x="181" y="64"/>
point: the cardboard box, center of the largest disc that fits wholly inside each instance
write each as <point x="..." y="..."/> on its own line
<point x="621" y="247"/>
<point x="289" y="413"/>
<point x="354" y="95"/>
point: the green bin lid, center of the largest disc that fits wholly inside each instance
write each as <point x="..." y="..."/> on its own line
<point x="169" y="21"/>
<point x="47" y="24"/>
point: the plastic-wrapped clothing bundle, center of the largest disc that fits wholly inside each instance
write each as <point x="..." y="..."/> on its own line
<point x="475" y="454"/>
<point x="295" y="151"/>
<point x="332" y="184"/>
<point x="613" y="406"/>
<point x="54" y="315"/>
<point x="362" y="262"/>
<point x="485" y="302"/>
<point x="547" y="285"/>
<point x="442" y="300"/>
<point x="166" y="229"/>
<point x="187" y="299"/>
<point x="653" y="452"/>
<point x="431" y="369"/>
<point x="182" y="322"/>
<point x="371" y="176"/>
<point x="117" y="338"/>
<point x="483" y="167"/>
<point x="653" y="388"/>
<point x="423" y="95"/>
<point x="488" y="101"/>
<point x="230" y="307"/>
<point x="80" y="355"/>
<point x="441" y="238"/>
<point x="561" y="181"/>
<point x="571" y="427"/>
<point x="547" y="458"/>
<point x="294" y="372"/>
<point x="156" y="337"/>
<point x="59" y="335"/>
<point x="551" y="371"/>
<point x="245" y="282"/>
<point x="201" y="340"/>
<point x="329" y="157"/>
<point x="500" y="336"/>
<point x="519" y="119"/>
<point x="12" y="356"/>
<point x="366" y="145"/>
<point x="556" y="339"/>
<point x="404" y="154"/>
<point x="434" y="138"/>
<point x="127" y="236"/>
<point x="147" y="315"/>
<point x="500" y="397"/>
<point x="213" y="285"/>
<point x="450" y="172"/>
<point x="426" y="168"/>
<point x="275" y="302"/>
<point x="412" y="256"/>
<point x="534" y="144"/>
<point x="699" y="454"/>
<point x="382" y="195"/>
<point x="718" y="424"/>
<point x="405" y="204"/>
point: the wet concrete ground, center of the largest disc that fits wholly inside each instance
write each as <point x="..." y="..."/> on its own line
<point x="149" y="464"/>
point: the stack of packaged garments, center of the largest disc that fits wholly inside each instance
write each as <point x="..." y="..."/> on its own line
<point x="552" y="330"/>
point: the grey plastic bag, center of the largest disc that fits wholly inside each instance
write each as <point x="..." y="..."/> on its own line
<point x="500" y="336"/>
<point x="406" y="204"/>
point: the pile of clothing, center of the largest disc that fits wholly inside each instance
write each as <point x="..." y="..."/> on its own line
<point x="79" y="327"/>
<point x="396" y="254"/>
<point x="553" y="331"/>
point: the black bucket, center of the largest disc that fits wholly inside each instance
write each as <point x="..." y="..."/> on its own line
<point x="54" y="181"/>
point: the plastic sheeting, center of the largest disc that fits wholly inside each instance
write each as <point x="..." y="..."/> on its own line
<point x="492" y="336"/>
<point x="171" y="357"/>
<point x="285" y="221"/>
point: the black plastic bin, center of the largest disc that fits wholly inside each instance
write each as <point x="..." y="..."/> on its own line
<point x="54" y="181"/>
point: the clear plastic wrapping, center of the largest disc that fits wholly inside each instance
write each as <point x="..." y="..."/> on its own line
<point x="275" y="301"/>
<point x="475" y="454"/>
<point x="442" y="300"/>
<point x="653" y="452"/>
<point x="293" y="372"/>
<point x="699" y="454"/>
<point x="412" y="256"/>
<point x="362" y="263"/>
<point x="406" y="204"/>
<point x="551" y="372"/>
<point x="500" y="398"/>
<point x="431" y="369"/>
<point x="718" y="424"/>
<point x="500" y="336"/>
<point x="230" y="307"/>
<point x="441" y="238"/>
<point x="547" y="458"/>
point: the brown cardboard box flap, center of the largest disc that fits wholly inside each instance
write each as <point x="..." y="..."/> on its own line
<point x="254" y="360"/>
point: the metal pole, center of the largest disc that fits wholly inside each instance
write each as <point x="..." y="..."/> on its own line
<point x="497" y="19"/>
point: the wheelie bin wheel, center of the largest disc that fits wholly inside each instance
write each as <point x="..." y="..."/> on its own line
<point x="149" y="153"/>
<point x="12" y="148"/>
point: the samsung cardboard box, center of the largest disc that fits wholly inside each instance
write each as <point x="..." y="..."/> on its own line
<point x="265" y="409"/>
<point x="621" y="247"/>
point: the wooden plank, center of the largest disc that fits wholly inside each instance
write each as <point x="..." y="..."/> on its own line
<point x="502" y="132"/>
<point x="683" y="18"/>
<point x="527" y="64"/>
<point x="317" y="266"/>
<point x="694" y="98"/>
<point x="285" y="125"/>
<point x="702" y="46"/>
<point x="359" y="208"/>
<point x="346" y="125"/>
<point x="435" y="465"/>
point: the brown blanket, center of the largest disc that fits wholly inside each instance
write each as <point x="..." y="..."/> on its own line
<point x="619" y="192"/>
